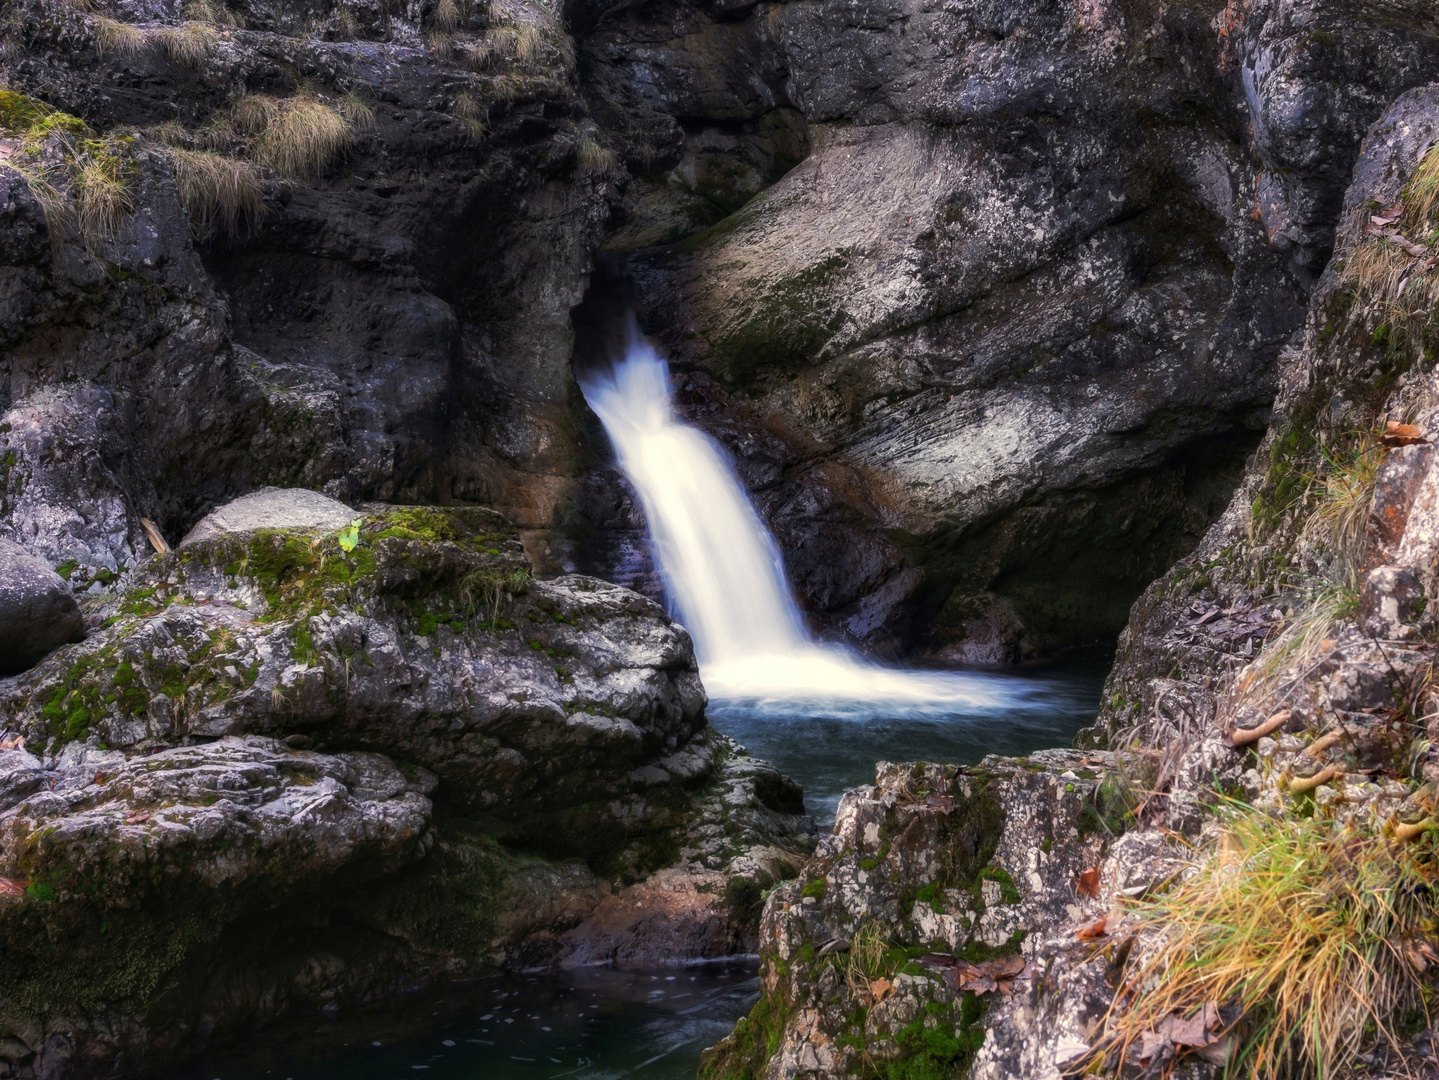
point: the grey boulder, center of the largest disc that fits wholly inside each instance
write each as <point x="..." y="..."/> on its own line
<point x="37" y="610"/>
<point x="273" y="508"/>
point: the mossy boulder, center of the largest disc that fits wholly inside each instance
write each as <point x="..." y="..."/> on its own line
<point x="416" y="632"/>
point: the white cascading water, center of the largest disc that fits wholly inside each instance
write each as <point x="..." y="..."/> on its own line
<point x="724" y="573"/>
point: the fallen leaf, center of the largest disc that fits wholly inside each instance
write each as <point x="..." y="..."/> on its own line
<point x="136" y="817"/>
<point x="969" y="977"/>
<point x="1006" y="967"/>
<point x="1000" y="974"/>
<point x="880" y="989"/>
<point x="1089" y="882"/>
<point x="17" y="743"/>
<point x="1201" y="1029"/>
<point x="11" y="887"/>
<point x="99" y="778"/>
<point x="1093" y="931"/>
<point x="1397" y="434"/>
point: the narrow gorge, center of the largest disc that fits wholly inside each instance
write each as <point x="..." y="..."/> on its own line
<point x="794" y="540"/>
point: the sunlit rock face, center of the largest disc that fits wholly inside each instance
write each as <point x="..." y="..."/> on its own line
<point x="1009" y="330"/>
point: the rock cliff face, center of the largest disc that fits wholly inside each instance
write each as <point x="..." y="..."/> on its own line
<point x="1012" y="325"/>
<point x="1276" y="684"/>
<point x="985" y="301"/>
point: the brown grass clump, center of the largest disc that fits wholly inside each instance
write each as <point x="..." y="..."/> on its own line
<point x="358" y="111"/>
<point x="592" y="158"/>
<point x="117" y="38"/>
<point x="54" y="204"/>
<point x="218" y="192"/>
<point x="441" y="43"/>
<point x="1303" y="936"/>
<point x="447" y="15"/>
<point x="188" y="44"/>
<point x="212" y="11"/>
<point x="297" y="136"/>
<point x="1394" y="270"/>
<point x="102" y="199"/>
<point x="469" y="111"/>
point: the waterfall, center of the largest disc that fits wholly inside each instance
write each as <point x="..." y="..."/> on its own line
<point x="724" y="574"/>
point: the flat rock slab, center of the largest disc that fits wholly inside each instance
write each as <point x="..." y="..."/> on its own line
<point x="38" y="613"/>
<point x="273" y="508"/>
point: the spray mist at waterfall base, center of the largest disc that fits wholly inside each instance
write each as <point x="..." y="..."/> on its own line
<point x="789" y="698"/>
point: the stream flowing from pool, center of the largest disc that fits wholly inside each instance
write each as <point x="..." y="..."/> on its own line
<point x="820" y="713"/>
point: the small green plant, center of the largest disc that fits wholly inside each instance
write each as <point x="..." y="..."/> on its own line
<point x="349" y="536"/>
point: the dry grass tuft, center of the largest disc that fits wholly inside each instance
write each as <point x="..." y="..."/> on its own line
<point x="472" y="113"/>
<point x="441" y="43"/>
<point x="213" y="11"/>
<point x="594" y="159"/>
<point x="59" y="214"/>
<point x="188" y="44"/>
<point x="102" y="199"/>
<point x="358" y="111"/>
<point x="1297" y="931"/>
<point x="255" y="112"/>
<point x="1395" y="278"/>
<point x="218" y="192"/>
<point x="1421" y="199"/>
<point x="297" y="136"/>
<point x="81" y="5"/>
<point x="117" y="38"/>
<point x="1339" y="518"/>
<point x="865" y="959"/>
<point x="1331" y="537"/>
<point x="447" y="15"/>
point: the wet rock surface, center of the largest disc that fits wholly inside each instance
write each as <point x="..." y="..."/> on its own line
<point x="304" y="766"/>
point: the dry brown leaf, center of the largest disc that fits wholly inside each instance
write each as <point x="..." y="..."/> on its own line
<point x="17" y="743"/>
<point x="880" y="989"/>
<point x="1201" y="1029"/>
<point x="11" y="887"/>
<point x="1089" y="882"/>
<point x="1094" y="930"/>
<point x="1005" y="967"/>
<point x="137" y="817"/>
<point x="1397" y="434"/>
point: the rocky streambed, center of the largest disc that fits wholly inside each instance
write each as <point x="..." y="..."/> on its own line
<point x="1025" y="324"/>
